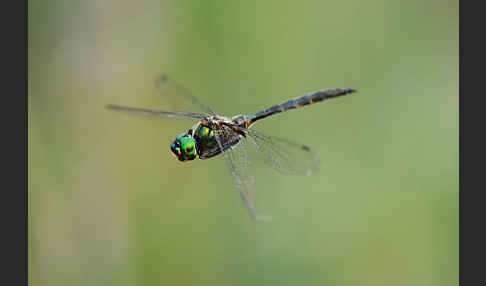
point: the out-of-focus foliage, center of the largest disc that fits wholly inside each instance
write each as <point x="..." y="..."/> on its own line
<point x="109" y="205"/>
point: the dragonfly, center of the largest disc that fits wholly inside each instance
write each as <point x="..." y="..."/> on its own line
<point x="213" y="135"/>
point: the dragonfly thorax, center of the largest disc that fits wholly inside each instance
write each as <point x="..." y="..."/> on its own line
<point x="205" y="138"/>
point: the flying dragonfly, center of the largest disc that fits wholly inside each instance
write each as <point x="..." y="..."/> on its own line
<point x="214" y="134"/>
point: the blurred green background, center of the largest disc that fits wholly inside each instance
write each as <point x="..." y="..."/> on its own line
<point x="109" y="205"/>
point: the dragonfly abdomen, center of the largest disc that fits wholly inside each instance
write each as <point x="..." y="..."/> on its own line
<point x="301" y="101"/>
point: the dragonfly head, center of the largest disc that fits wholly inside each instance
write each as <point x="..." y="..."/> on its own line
<point x="184" y="147"/>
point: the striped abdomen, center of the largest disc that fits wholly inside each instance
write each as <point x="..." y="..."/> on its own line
<point x="301" y="101"/>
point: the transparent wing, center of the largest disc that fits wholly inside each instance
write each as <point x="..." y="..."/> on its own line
<point x="285" y="156"/>
<point x="173" y="96"/>
<point x="179" y="97"/>
<point x="240" y="167"/>
<point x="144" y="111"/>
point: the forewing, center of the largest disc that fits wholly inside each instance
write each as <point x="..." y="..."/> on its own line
<point x="180" y="98"/>
<point x="154" y="112"/>
<point x="283" y="155"/>
<point x="172" y="96"/>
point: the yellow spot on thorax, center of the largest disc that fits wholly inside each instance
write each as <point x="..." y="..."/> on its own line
<point x="205" y="131"/>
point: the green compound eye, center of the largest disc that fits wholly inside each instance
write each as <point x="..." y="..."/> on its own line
<point x="188" y="145"/>
<point x="180" y="137"/>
